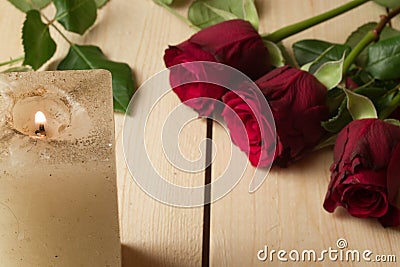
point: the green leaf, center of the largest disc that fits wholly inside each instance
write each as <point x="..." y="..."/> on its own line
<point x="287" y="57"/>
<point x="166" y="2"/>
<point x="101" y="3"/>
<point x="250" y="13"/>
<point x="357" y="35"/>
<point x="275" y="54"/>
<point x="389" y="103"/>
<point x="343" y="117"/>
<point x="393" y="121"/>
<point x="359" y="106"/>
<point x="338" y="122"/>
<point x="91" y="57"/>
<point x="384" y="59"/>
<point x="76" y="15"/>
<point x="38" y="44"/>
<point x="307" y="67"/>
<point x="225" y="15"/>
<point x="388" y="3"/>
<point x="379" y="96"/>
<point x="26" y="5"/>
<point x="330" y="74"/>
<point x="204" y="13"/>
<point x="307" y="51"/>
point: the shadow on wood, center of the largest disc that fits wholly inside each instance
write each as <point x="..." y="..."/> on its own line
<point x="132" y="257"/>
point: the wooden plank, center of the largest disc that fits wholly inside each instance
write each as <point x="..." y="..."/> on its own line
<point x="286" y="212"/>
<point x="137" y="32"/>
<point x="153" y="234"/>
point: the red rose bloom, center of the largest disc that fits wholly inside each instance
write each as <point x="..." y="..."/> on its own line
<point x="250" y="124"/>
<point x="366" y="172"/>
<point x="298" y="102"/>
<point x="235" y="43"/>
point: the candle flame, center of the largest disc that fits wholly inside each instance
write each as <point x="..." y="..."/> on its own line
<point x="40" y="118"/>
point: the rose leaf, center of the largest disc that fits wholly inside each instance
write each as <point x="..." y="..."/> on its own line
<point x="393" y="121"/>
<point x="358" y="34"/>
<point x="309" y="50"/>
<point x="91" y="57"/>
<point x="204" y="13"/>
<point x="76" y="15"/>
<point x="338" y="122"/>
<point x="330" y="73"/>
<point x="101" y="3"/>
<point x="26" y="5"/>
<point x="384" y="59"/>
<point x="38" y="44"/>
<point x="250" y="13"/>
<point x="307" y="67"/>
<point x="166" y="2"/>
<point x="275" y="54"/>
<point x="359" y="106"/>
<point x="387" y="3"/>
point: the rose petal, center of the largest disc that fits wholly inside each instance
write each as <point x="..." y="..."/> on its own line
<point x="391" y="218"/>
<point x="393" y="177"/>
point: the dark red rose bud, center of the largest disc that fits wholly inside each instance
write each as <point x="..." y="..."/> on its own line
<point x="250" y="124"/>
<point x="235" y="43"/>
<point x="365" y="176"/>
<point x="350" y="83"/>
<point x="298" y="102"/>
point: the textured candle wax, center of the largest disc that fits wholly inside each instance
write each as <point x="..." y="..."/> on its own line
<point x="58" y="199"/>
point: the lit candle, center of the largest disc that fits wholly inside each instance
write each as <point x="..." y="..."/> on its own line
<point x="58" y="199"/>
<point x="40" y="121"/>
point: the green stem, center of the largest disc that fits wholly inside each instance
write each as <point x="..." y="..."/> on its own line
<point x="369" y="38"/>
<point x="51" y="23"/>
<point x="365" y="41"/>
<point x="179" y="16"/>
<point x="12" y="61"/>
<point x="73" y="46"/>
<point x="394" y="104"/>
<point x="290" y="30"/>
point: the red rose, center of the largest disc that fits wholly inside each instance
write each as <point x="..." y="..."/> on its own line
<point x="250" y="124"/>
<point x="298" y="102"/>
<point x="366" y="172"/>
<point x="235" y="43"/>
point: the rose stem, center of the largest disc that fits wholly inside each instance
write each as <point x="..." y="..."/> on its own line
<point x="179" y="16"/>
<point x="11" y="61"/>
<point x="370" y="37"/>
<point x="394" y="104"/>
<point x="290" y="30"/>
<point x="72" y="45"/>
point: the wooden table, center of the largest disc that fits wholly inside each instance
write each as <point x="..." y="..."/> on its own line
<point x="285" y="213"/>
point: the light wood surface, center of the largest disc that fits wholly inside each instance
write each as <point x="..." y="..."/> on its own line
<point x="285" y="213"/>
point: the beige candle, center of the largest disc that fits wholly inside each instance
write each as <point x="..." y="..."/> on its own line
<point x="58" y="199"/>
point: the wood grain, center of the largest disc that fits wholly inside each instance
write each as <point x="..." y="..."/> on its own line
<point x="153" y="234"/>
<point x="137" y="32"/>
<point x="285" y="213"/>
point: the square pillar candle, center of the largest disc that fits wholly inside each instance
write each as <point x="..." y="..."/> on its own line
<point x="58" y="198"/>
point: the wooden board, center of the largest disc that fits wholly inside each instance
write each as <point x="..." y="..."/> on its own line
<point x="286" y="212"/>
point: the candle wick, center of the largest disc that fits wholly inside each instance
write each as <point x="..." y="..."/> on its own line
<point x="41" y="132"/>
